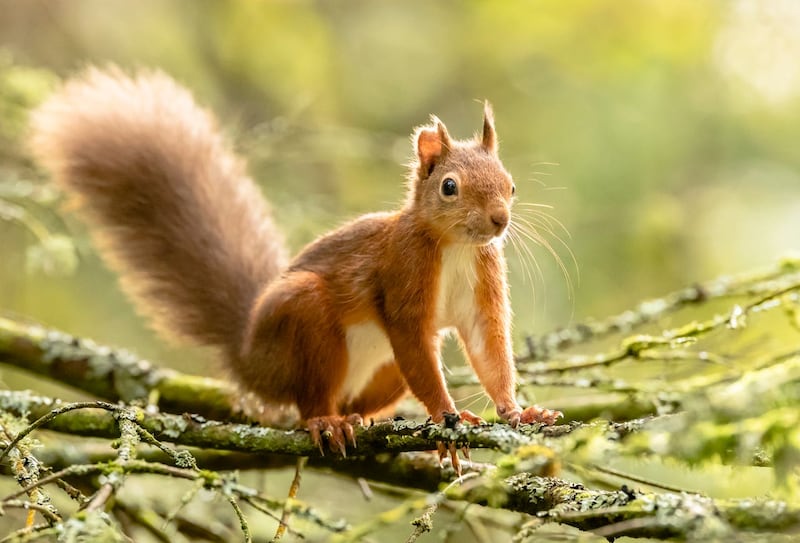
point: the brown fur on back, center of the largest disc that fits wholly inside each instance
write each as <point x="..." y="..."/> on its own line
<point x="172" y="208"/>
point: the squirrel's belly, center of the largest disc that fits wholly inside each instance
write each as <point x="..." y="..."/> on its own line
<point x="368" y="349"/>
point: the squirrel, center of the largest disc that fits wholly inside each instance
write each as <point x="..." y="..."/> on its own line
<point x="346" y="328"/>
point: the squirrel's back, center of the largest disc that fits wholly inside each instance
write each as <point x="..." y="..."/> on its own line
<point x="172" y="209"/>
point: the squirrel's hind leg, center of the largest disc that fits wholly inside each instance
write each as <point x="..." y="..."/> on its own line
<point x="295" y="316"/>
<point x="384" y="390"/>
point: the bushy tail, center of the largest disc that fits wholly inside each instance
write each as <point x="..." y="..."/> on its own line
<point x="169" y="205"/>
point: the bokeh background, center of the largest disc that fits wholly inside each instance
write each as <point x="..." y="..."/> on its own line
<point x="664" y="134"/>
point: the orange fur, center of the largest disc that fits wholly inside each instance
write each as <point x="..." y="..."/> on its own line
<point x="187" y="231"/>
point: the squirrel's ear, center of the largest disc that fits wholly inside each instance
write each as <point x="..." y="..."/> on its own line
<point x="489" y="138"/>
<point x="432" y="144"/>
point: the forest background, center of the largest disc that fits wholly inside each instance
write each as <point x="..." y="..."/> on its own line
<point x="663" y="134"/>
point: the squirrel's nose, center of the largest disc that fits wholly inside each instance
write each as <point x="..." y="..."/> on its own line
<point x="499" y="219"/>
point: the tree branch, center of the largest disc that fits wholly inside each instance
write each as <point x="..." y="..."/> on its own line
<point x="395" y="436"/>
<point x="111" y="374"/>
<point x="543" y="347"/>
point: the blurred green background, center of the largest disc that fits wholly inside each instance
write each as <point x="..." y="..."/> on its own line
<point x="664" y="134"/>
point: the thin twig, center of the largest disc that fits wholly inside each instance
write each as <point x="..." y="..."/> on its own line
<point x="32" y="533"/>
<point x="638" y="479"/>
<point x="293" y="488"/>
<point x="242" y="520"/>
<point x="45" y="511"/>
<point x="100" y="497"/>
<point x="81" y="469"/>
<point x="751" y="284"/>
<point x="41" y="421"/>
<point x="183" y="459"/>
<point x="26" y="469"/>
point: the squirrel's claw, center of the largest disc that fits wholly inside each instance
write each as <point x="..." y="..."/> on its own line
<point x="315" y="429"/>
<point x="337" y="430"/>
<point x="450" y="448"/>
<point x="348" y="425"/>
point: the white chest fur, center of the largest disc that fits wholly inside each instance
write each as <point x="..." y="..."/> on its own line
<point x="455" y="303"/>
<point x="368" y="347"/>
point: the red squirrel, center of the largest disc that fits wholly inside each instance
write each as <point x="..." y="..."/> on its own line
<point x="346" y="328"/>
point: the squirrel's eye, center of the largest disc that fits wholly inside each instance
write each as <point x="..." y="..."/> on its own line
<point x="449" y="187"/>
<point x="513" y="190"/>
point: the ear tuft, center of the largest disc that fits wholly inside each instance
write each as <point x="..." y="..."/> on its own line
<point x="432" y="144"/>
<point x="489" y="137"/>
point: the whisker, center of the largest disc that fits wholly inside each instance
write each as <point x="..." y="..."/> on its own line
<point x="475" y="398"/>
<point x="530" y="204"/>
<point x="537" y="180"/>
<point x="563" y="244"/>
<point x="546" y="228"/>
<point x="539" y="272"/>
<point x="536" y="223"/>
<point x="480" y="394"/>
<point x="550" y="219"/>
<point x="543" y="215"/>
<point x="487" y="403"/>
<point x="531" y="258"/>
<point x="523" y="252"/>
<point x="526" y="226"/>
<point x="528" y="260"/>
<point x="536" y="238"/>
<point x="542" y="163"/>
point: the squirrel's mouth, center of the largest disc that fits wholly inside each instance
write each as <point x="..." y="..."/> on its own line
<point x="477" y="235"/>
<point x="480" y="239"/>
<point x="484" y="239"/>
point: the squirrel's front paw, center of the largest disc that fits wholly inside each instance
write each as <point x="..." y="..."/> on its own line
<point x="531" y="415"/>
<point x="535" y="414"/>
<point x="337" y="429"/>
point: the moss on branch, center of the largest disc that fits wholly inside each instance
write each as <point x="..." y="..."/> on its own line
<point x="190" y="430"/>
<point x="111" y="374"/>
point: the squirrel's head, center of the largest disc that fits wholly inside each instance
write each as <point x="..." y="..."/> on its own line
<point x="460" y="188"/>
